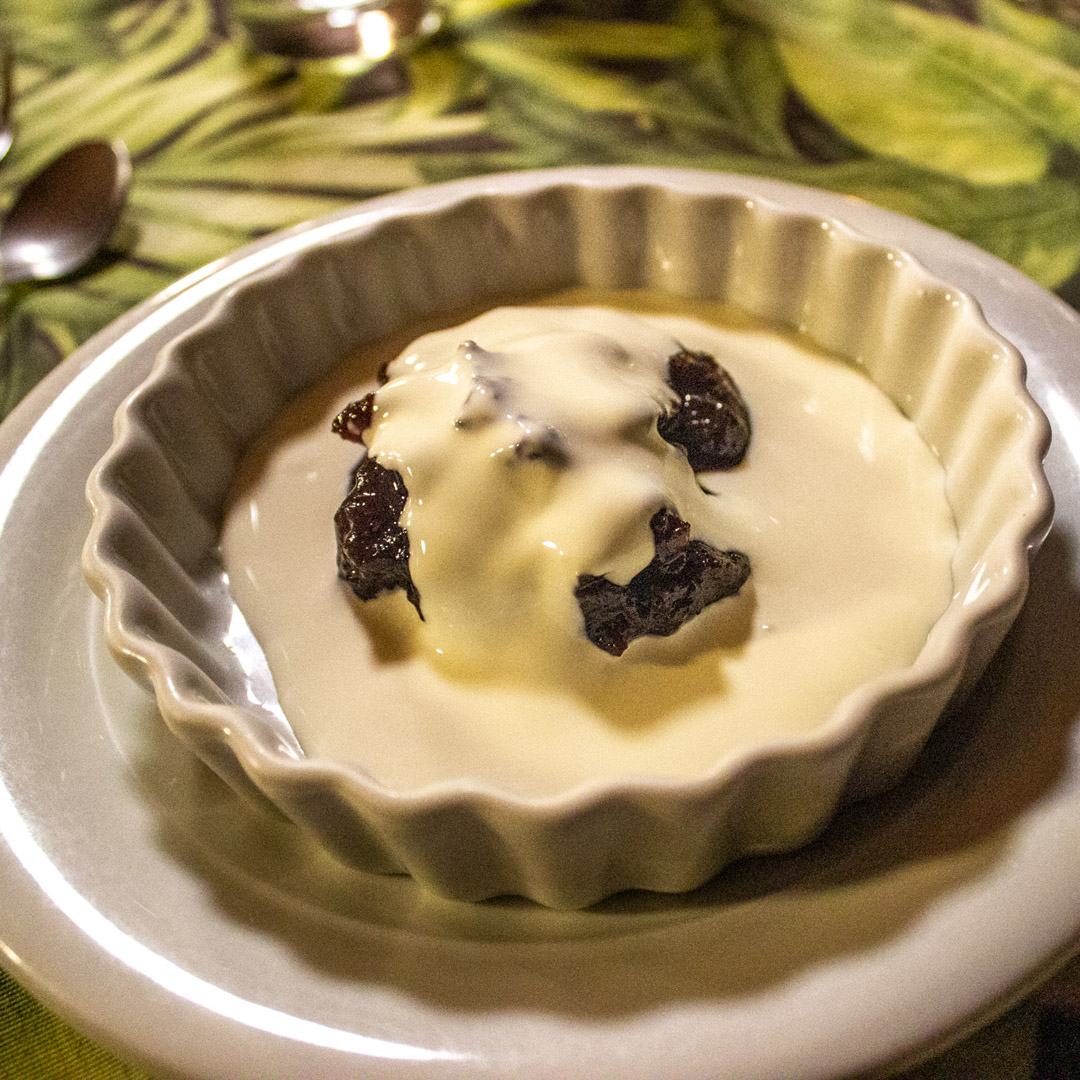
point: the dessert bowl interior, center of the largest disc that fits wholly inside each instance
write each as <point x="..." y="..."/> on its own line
<point x="159" y="494"/>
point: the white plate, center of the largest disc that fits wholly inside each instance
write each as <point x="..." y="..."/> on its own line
<point x="205" y="937"/>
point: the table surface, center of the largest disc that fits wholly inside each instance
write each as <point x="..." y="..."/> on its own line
<point x="963" y="113"/>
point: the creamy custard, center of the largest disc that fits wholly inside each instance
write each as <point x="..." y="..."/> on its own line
<point x="531" y="459"/>
<point x="839" y="506"/>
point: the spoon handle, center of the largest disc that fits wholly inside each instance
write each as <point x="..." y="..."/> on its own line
<point x="7" y="98"/>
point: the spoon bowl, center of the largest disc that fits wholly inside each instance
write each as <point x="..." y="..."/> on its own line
<point x="64" y="215"/>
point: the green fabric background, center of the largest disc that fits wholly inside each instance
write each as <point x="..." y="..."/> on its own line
<point x="36" y="1045"/>
<point x="964" y="113"/>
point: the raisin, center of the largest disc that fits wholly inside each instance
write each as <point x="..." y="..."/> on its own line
<point x="710" y="421"/>
<point x="684" y="577"/>
<point x="354" y="419"/>
<point x="482" y="404"/>
<point x="373" y="549"/>
<point x="542" y="444"/>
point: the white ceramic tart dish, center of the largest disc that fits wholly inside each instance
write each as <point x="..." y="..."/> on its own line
<point x="159" y="493"/>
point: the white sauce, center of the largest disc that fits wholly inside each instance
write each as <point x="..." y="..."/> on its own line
<point x="497" y="542"/>
<point x="839" y="505"/>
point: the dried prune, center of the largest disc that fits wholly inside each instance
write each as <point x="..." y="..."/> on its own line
<point x="354" y="419"/>
<point x="542" y="443"/>
<point x="482" y="404"/>
<point x="684" y="577"/>
<point x="373" y="549"/>
<point x="710" y="421"/>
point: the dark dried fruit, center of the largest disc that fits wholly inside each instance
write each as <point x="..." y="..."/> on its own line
<point x="710" y="421"/>
<point x="354" y="419"/>
<point x="373" y="549"/>
<point x="542" y="444"/>
<point x="482" y="404"/>
<point x="684" y="577"/>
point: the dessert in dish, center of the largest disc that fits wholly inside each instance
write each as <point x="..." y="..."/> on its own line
<point x="566" y="783"/>
<point x="836" y="520"/>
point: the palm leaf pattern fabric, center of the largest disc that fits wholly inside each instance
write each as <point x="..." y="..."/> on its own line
<point x="965" y="114"/>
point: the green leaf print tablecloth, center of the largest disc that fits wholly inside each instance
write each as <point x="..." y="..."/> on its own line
<point x="963" y="113"/>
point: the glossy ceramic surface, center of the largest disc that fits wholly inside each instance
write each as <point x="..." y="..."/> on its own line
<point x="159" y="492"/>
<point x="203" y="936"/>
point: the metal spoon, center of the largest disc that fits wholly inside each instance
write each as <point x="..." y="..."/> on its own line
<point x="7" y="95"/>
<point x="365" y="30"/>
<point x="64" y="215"/>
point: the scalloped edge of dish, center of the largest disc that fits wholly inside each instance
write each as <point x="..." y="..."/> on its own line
<point x="150" y="551"/>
